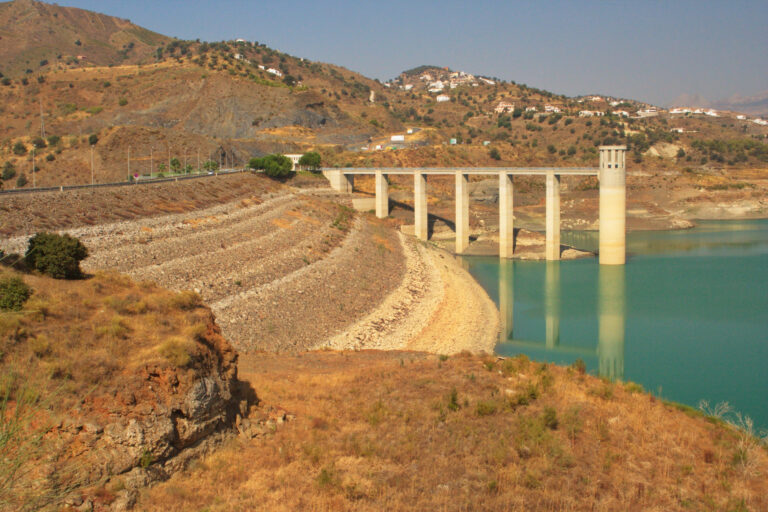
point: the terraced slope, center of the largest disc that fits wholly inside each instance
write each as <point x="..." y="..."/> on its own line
<point x="282" y="271"/>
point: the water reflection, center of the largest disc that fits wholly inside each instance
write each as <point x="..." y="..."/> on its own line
<point x="611" y="311"/>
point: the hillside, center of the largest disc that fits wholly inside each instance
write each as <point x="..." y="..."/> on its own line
<point x="38" y="37"/>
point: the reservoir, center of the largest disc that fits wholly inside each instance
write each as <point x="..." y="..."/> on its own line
<point x="687" y="317"/>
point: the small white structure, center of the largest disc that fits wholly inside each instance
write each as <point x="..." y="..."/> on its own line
<point x="407" y="87"/>
<point x="489" y="82"/>
<point x="676" y="130"/>
<point x="409" y="131"/>
<point x="741" y="117"/>
<point x="275" y="72"/>
<point x="621" y="113"/>
<point x="530" y="109"/>
<point x="761" y="122"/>
<point x="397" y="138"/>
<point x="595" y="98"/>
<point x="239" y="40"/>
<point x="372" y="97"/>
<point x="551" y="108"/>
<point x="711" y="113"/>
<point x="294" y="160"/>
<point x="443" y="97"/>
<point x="261" y="67"/>
<point x="436" y="86"/>
<point x="504" y="106"/>
<point x="614" y="103"/>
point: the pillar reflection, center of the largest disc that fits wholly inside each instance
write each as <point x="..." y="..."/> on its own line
<point x="552" y="303"/>
<point x="506" y="299"/>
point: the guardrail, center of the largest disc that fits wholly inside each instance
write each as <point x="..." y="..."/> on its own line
<point x="62" y="188"/>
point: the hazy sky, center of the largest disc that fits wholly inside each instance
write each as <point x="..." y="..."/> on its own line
<point x="647" y="50"/>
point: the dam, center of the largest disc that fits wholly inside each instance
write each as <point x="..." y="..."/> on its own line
<point x="611" y="174"/>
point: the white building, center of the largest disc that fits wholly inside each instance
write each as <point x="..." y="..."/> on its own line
<point x="504" y="106"/>
<point x="275" y="72"/>
<point x="761" y="122"/>
<point x="397" y="138"/>
<point x="551" y="108"/>
<point x="530" y="109"/>
<point x="711" y="113"/>
<point x="741" y="116"/>
<point x="489" y="82"/>
<point x="621" y="113"/>
<point x="294" y="160"/>
<point x="443" y="97"/>
<point x="436" y="86"/>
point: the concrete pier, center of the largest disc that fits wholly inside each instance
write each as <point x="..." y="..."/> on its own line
<point x="339" y="181"/>
<point x="506" y="217"/>
<point x="462" y="212"/>
<point x="382" y="195"/>
<point x="420" y="205"/>
<point x="553" y="217"/>
<point x="613" y="204"/>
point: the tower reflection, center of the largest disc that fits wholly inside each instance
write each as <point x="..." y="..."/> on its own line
<point x="611" y="306"/>
<point x="610" y="316"/>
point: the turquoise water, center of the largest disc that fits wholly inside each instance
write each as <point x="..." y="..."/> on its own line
<point x="687" y="317"/>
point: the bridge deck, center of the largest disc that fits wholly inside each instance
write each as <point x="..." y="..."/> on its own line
<point x="495" y="171"/>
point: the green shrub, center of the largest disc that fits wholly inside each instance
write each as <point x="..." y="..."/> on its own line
<point x="550" y="418"/>
<point x="21" y="181"/>
<point x="486" y="408"/>
<point x="9" y="171"/>
<point x="58" y="256"/>
<point x="19" y="149"/>
<point x="93" y="139"/>
<point x="14" y="292"/>
<point x="311" y="160"/>
<point x="274" y="166"/>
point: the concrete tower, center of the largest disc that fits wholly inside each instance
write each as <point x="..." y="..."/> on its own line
<point x="613" y="201"/>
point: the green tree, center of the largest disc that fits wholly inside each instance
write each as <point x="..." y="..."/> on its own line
<point x="38" y="142"/>
<point x="58" y="256"/>
<point x="311" y="160"/>
<point x="552" y="149"/>
<point x="21" y="181"/>
<point x="210" y="165"/>
<point x="274" y="166"/>
<point x="494" y="153"/>
<point x="53" y="140"/>
<point x="19" y="149"/>
<point x="93" y="139"/>
<point x="175" y="165"/>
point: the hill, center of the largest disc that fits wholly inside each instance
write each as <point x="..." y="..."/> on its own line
<point x="38" y="37"/>
<point x="231" y="100"/>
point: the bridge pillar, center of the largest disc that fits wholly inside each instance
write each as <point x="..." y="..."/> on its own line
<point x="506" y="217"/>
<point x="553" y="217"/>
<point x="552" y="303"/>
<point x="420" y="205"/>
<point x="382" y="195"/>
<point x="613" y="205"/>
<point x="462" y="212"/>
<point x="339" y="181"/>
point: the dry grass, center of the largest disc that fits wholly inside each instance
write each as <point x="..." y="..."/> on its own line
<point x="74" y="335"/>
<point x="406" y="431"/>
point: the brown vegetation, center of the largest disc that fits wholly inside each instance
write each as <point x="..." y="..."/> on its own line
<point x="406" y="431"/>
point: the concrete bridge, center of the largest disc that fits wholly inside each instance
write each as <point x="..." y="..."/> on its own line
<point x="611" y="174"/>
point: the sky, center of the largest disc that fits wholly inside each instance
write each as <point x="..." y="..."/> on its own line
<point x="648" y="50"/>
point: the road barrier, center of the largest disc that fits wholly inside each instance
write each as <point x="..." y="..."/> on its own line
<point x="62" y="188"/>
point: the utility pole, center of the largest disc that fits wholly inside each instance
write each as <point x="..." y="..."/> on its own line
<point x="33" y="168"/>
<point x="42" y="121"/>
<point x="185" y="159"/>
<point x="150" y="163"/>
<point x="198" y="159"/>
<point x="92" y="165"/>
<point x="169" y="159"/>
<point x="129" y="163"/>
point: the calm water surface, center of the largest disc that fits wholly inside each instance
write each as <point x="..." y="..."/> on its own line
<point x="687" y="317"/>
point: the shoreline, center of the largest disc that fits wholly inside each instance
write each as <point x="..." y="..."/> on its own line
<point x="420" y="314"/>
